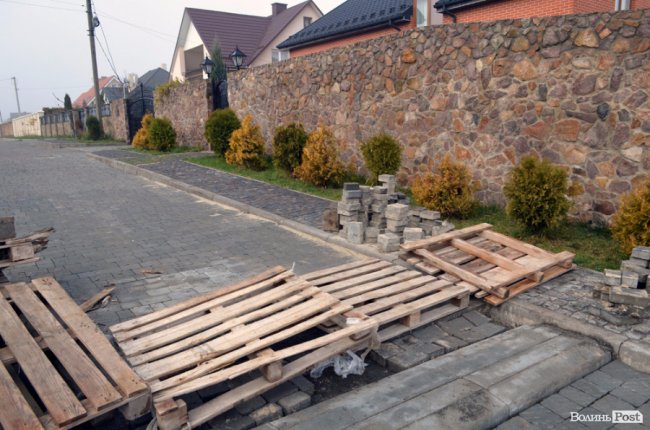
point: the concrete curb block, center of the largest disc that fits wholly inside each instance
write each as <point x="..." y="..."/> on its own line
<point x="242" y="207"/>
<point x="635" y="354"/>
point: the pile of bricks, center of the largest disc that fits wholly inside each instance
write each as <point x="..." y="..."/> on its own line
<point x="629" y="285"/>
<point x="383" y="216"/>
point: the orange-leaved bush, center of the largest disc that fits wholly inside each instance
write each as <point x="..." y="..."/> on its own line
<point x="246" y="146"/>
<point x="141" y="138"/>
<point x="448" y="189"/>
<point x="321" y="165"/>
<point x="631" y="224"/>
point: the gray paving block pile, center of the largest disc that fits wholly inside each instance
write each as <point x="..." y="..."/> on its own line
<point x="477" y="387"/>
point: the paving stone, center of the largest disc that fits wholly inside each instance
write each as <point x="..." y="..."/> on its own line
<point x="249" y="406"/>
<point x="476" y="318"/>
<point x="266" y="414"/>
<point x="237" y="423"/>
<point x="456" y="326"/>
<point x="386" y="351"/>
<point x="429" y="333"/>
<point x="451" y="343"/>
<point x="405" y="360"/>
<point x="589" y="388"/>
<point x="294" y="402"/>
<point x="594" y="425"/>
<point x="635" y="394"/>
<point x="516" y="423"/>
<point x="282" y="390"/>
<point x="603" y="380"/>
<point x="481" y="332"/>
<point x="577" y="396"/>
<point x="561" y="405"/>
<point x="568" y="425"/>
<point x="629" y="296"/>
<point x="541" y="417"/>
<point x="303" y="384"/>
<point x="610" y="403"/>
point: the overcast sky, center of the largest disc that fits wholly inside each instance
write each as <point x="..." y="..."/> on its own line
<point x="44" y="43"/>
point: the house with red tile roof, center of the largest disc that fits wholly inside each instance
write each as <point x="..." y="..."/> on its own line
<point x="88" y="97"/>
<point x="255" y="36"/>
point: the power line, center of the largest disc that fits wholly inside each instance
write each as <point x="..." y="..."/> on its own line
<point x="109" y="57"/>
<point x="40" y="5"/>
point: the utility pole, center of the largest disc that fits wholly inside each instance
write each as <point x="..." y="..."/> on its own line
<point x="16" y="91"/>
<point x="93" y="56"/>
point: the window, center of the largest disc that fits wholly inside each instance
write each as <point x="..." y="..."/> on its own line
<point x="621" y="4"/>
<point x="422" y="12"/>
<point x="279" y="55"/>
<point x="106" y="110"/>
<point x="306" y="21"/>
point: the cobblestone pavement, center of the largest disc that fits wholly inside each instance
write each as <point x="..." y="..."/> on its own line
<point x="289" y="204"/>
<point x="111" y="226"/>
<point x="614" y="386"/>
<point x="571" y="295"/>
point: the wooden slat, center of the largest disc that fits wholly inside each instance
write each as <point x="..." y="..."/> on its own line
<point x="527" y="284"/>
<point x="15" y="412"/>
<point x="393" y="330"/>
<point x="380" y="285"/>
<point x="171" y="310"/>
<point x="362" y="279"/>
<point x="463" y="274"/>
<point x="342" y="268"/>
<point x="88" y="304"/>
<point x="9" y="263"/>
<point x="97" y="389"/>
<point x="408" y="297"/>
<point x="285" y="321"/>
<point x="60" y="402"/>
<point x="348" y="274"/>
<point x="456" y="234"/>
<point x="394" y="290"/>
<point x="91" y="337"/>
<point x="520" y="246"/>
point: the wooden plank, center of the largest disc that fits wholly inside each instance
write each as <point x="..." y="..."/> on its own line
<point x="383" y="287"/>
<point x="349" y="274"/>
<point x="215" y="331"/>
<point x="218" y="316"/>
<point x="284" y="321"/>
<point x="21" y="252"/>
<point x="15" y="412"/>
<point x="463" y="274"/>
<point x="90" y="336"/>
<point x="520" y="246"/>
<point x="527" y="284"/>
<point x="337" y="269"/>
<point x="9" y="263"/>
<point x="91" y="302"/>
<point x="362" y="279"/>
<point x="60" y="402"/>
<point x="441" y="238"/>
<point x="397" y="290"/>
<point x="499" y="260"/>
<point x="228" y="400"/>
<point x="428" y="316"/>
<point x="273" y="371"/>
<point x="171" y="310"/>
<point x="409" y="297"/>
<point x="90" y="380"/>
<point x="171" y="414"/>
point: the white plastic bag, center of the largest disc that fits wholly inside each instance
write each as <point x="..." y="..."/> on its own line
<point x="344" y="365"/>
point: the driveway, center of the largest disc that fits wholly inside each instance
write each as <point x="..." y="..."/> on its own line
<point x="111" y="228"/>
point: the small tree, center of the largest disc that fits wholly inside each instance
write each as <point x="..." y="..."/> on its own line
<point x="320" y="159"/>
<point x="219" y="73"/>
<point x="219" y="128"/>
<point x="92" y="128"/>
<point x="631" y="224"/>
<point x="247" y="146"/>
<point x="141" y="138"/>
<point x="382" y="155"/>
<point x="67" y="103"/>
<point x="288" y="144"/>
<point x="537" y="194"/>
<point x="162" y="136"/>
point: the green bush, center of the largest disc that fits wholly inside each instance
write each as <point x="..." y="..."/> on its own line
<point x="536" y="192"/>
<point x="141" y="138"/>
<point x="162" y="136"/>
<point x="631" y="224"/>
<point x="247" y="146"/>
<point x="382" y="155"/>
<point x="93" y="130"/>
<point x="448" y="189"/>
<point x="320" y="159"/>
<point x="288" y="144"/>
<point x="218" y="129"/>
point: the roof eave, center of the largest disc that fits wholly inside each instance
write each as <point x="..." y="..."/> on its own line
<point x="445" y="7"/>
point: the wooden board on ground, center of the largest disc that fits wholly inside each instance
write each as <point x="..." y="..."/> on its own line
<point x="14" y="251"/>
<point x="260" y="324"/>
<point x="494" y="266"/>
<point x="68" y="371"/>
<point x="399" y="299"/>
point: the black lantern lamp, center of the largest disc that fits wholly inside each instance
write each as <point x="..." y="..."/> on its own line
<point x="237" y="57"/>
<point x="207" y="66"/>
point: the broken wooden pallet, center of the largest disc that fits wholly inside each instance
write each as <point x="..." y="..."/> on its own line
<point x="249" y="326"/>
<point x="58" y="369"/>
<point x="397" y="298"/>
<point x="494" y="266"/>
<point x="14" y="251"/>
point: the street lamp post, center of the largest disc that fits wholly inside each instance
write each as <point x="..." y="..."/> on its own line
<point x="237" y="58"/>
<point x="208" y="66"/>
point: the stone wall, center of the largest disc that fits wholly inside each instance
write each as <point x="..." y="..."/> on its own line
<point x="7" y="129"/>
<point x="187" y="106"/>
<point x="573" y="89"/>
<point x="115" y="124"/>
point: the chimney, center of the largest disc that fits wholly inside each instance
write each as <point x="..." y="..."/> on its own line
<point x="278" y="7"/>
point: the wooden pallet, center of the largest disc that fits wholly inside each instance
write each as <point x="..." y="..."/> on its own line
<point x="494" y="266"/>
<point x="250" y="326"/>
<point x="14" y="251"/>
<point x="399" y="299"/>
<point x="58" y="369"/>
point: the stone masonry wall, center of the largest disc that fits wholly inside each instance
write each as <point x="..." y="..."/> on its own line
<point x="187" y="106"/>
<point x="115" y="124"/>
<point x="6" y="129"/>
<point x="573" y="89"/>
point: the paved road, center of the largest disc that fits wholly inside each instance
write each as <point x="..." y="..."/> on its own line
<point x="111" y="226"/>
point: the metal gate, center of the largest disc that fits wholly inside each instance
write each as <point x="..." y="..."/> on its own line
<point x="138" y="104"/>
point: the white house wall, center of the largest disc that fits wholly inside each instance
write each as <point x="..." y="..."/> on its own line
<point x="28" y="125"/>
<point x="189" y="38"/>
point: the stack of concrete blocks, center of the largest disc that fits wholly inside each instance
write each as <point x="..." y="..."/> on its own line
<point x="349" y="211"/>
<point x="396" y="220"/>
<point x="628" y="286"/>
